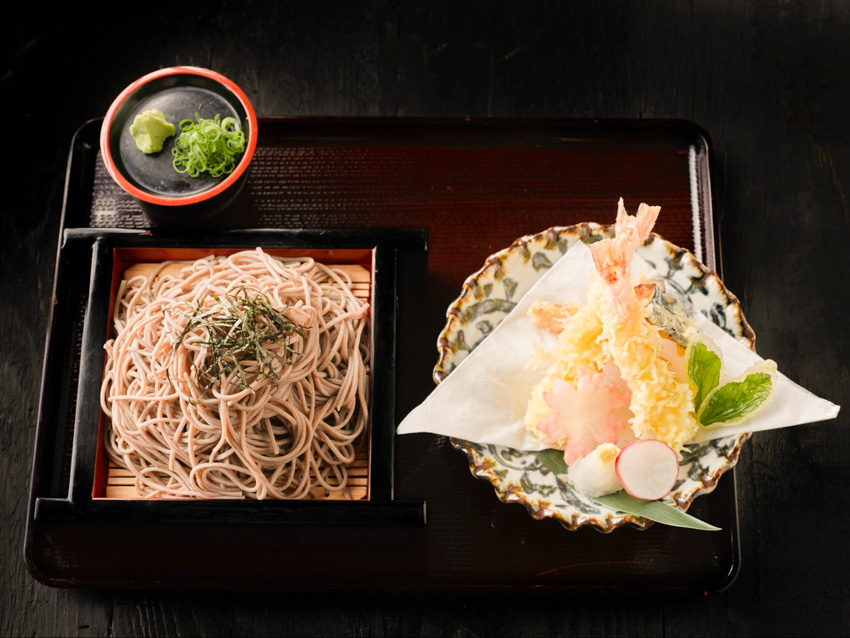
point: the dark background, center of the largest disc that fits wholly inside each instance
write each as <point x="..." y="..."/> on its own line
<point x="770" y="83"/>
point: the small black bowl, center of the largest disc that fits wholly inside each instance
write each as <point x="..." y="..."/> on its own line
<point x="168" y="197"/>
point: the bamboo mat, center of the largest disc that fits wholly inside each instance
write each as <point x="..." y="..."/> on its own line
<point x="120" y="482"/>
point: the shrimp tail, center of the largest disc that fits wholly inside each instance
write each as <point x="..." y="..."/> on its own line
<point x="613" y="257"/>
<point x="635" y="229"/>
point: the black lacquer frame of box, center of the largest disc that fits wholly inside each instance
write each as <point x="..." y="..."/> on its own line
<point x="70" y="390"/>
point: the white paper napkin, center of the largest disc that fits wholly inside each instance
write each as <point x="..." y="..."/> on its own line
<point x="484" y="399"/>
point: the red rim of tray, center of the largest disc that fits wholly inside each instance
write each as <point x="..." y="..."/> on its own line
<point x="195" y="198"/>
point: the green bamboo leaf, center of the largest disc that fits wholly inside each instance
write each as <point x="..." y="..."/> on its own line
<point x="552" y="460"/>
<point x="657" y="511"/>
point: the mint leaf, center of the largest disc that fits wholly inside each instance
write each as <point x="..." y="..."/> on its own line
<point x="736" y="399"/>
<point x="703" y="372"/>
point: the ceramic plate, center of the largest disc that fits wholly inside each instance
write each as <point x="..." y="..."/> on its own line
<point x="491" y="293"/>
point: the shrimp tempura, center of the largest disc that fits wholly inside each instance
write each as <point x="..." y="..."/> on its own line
<point x="612" y="327"/>
<point x="661" y="403"/>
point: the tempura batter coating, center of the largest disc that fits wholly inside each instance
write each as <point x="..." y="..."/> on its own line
<point x="613" y="327"/>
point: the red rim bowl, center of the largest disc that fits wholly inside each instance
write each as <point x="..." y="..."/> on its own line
<point x="177" y="91"/>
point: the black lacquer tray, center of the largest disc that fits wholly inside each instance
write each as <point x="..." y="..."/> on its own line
<point x="432" y="199"/>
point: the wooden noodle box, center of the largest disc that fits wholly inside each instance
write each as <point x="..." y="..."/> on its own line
<point x="99" y="491"/>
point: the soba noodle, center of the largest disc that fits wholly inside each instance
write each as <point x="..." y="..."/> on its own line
<point x="276" y="425"/>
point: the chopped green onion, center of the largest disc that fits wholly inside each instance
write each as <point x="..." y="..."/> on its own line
<point x="208" y="146"/>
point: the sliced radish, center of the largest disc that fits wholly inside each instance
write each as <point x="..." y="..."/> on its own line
<point x="648" y="469"/>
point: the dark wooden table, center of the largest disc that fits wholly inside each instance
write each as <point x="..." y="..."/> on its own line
<point x="769" y="83"/>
